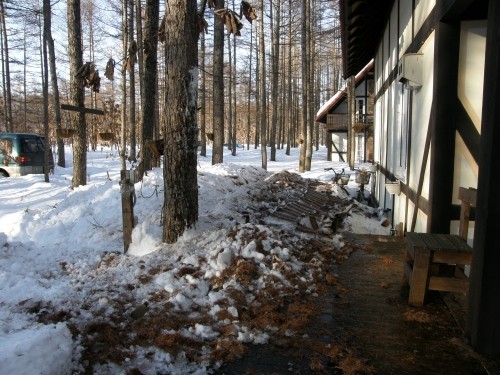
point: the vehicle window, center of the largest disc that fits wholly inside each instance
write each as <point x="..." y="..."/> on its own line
<point x="31" y="145"/>
<point x="5" y="146"/>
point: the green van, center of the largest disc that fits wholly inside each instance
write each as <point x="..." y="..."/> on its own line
<point x="22" y="154"/>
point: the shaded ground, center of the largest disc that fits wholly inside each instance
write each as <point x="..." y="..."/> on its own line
<point x="364" y="325"/>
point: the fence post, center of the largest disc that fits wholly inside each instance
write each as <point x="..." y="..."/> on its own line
<point x="127" y="191"/>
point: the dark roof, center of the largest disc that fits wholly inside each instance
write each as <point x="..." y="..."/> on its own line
<point x="362" y="24"/>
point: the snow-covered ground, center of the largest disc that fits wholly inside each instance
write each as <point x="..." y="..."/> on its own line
<point x="72" y="302"/>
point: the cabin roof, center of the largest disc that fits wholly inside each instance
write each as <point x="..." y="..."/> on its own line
<point x="362" y="25"/>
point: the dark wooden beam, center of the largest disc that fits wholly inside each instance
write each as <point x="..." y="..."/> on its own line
<point x="420" y="202"/>
<point x="483" y="323"/>
<point x="442" y="126"/>
<point x="468" y="131"/>
<point x="74" y="108"/>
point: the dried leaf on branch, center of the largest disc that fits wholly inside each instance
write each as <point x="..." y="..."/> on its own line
<point x="202" y="24"/>
<point x="231" y="20"/>
<point x="109" y="73"/>
<point x="248" y="11"/>
<point x="132" y="57"/>
<point x="161" y="31"/>
<point x="88" y="76"/>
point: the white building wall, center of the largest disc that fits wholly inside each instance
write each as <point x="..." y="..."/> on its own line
<point x="470" y="94"/>
<point x="405" y="26"/>
<point x="390" y="108"/>
<point x="422" y="10"/>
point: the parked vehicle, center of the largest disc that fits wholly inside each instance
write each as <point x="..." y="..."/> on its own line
<point x="22" y="154"/>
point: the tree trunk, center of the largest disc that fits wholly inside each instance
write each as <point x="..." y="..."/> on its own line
<point x="131" y="70"/>
<point x="262" y="88"/>
<point x="203" y="100"/>
<point x="140" y="48"/>
<point x="123" y="151"/>
<point x="180" y="210"/>
<point x="233" y="135"/>
<point x="230" y="124"/>
<point x="307" y="86"/>
<point x="303" y="125"/>
<point x="257" y="90"/>
<point x="61" y="158"/>
<point x="77" y="97"/>
<point x="6" y="63"/>
<point x="218" y="91"/>
<point x="249" y="86"/>
<point x="275" y="76"/>
<point x="150" y="94"/>
<point x="45" y="84"/>
<point x="289" y="102"/>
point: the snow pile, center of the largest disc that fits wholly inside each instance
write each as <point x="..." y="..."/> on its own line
<point x="68" y="291"/>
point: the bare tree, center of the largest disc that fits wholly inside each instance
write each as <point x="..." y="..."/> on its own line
<point x="305" y="76"/>
<point x="289" y="82"/>
<point x="230" y="78"/>
<point x="306" y="85"/>
<point x="262" y="87"/>
<point x="274" y="73"/>
<point x="6" y="70"/>
<point x="150" y="94"/>
<point x="180" y="210"/>
<point x="45" y="84"/>
<point x="61" y="158"/>
<point x="249" y="86"/>
<point x="218" y="91"/>
<point x="123" y="145"/>
<point x="203" y="96"/>
<point x="132" y="53"/>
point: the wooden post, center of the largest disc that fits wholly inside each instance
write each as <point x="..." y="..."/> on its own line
<point x="351" y="105"/>
<point x="483" y="325"/>
<point x="128" y="201"/>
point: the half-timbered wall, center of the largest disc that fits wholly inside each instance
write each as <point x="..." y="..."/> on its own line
<point x="403" y="114"/>
<point x="470" y="95"/>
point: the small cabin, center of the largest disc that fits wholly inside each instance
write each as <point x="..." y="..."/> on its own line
<point x="335" y="115"/>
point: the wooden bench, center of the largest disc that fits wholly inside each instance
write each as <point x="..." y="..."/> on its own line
<point x="436" y="261"/>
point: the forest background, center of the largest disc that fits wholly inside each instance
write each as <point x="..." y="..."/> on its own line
<point x="111" y="30"/>
<point x="183" y="72"/>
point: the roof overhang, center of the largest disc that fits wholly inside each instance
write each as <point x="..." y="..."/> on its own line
<point x="362" y="25"/>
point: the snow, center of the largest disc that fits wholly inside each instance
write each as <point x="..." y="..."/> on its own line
<point x="65" y="281"/>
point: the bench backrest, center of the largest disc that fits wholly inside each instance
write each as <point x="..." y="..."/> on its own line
<point x="468" y="198"/>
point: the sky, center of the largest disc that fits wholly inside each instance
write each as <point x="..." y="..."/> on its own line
<point x="71" y="299"/>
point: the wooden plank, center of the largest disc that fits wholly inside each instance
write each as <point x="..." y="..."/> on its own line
<point x="448" y="284"/>
<point x="408" y="272"/>
<point x="460" y="243"/>
<point x="432" y="241"/>
<point x="452" y="257"/>
<point x="414" y="241"/>
<point x="468" y="195"/>
<point x="463" y="229"/>
<point x="419" y="278"/>
<point x="94" y="111"/>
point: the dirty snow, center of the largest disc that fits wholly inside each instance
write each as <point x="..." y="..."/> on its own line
<point x="67" y="289"/>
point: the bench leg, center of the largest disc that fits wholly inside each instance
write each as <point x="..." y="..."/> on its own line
<point x="419" y="278"/>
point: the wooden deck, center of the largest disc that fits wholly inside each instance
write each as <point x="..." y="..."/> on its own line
<point x="366" y="318"/>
